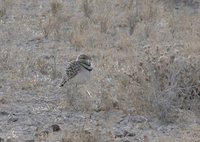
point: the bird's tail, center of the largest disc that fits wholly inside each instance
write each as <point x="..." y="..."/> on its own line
<point x="63" y="82"/>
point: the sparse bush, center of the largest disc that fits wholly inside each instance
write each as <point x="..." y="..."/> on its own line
<point x="4" y="59"/>
<point x="51" y="26"/>
<point x="2" y="12"/>
<point x="127" y="78"/>
<point x="80" y="136"/>
<point x="132" y="23"/>
<point x="55" y="7"/>
<point x="173" y="81"/>
<point x="4" y="6"/>
<point x="77" y="39"/>
<point x="86" y="8"/>
<point x="104" y="23"/>
<point x="47" y="66"/>
<point x="54" y="22"/>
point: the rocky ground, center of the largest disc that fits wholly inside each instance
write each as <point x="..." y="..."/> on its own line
<point x="145" y="82"/>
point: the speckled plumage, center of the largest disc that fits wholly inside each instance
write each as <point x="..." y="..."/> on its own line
<point x="78" y="70"/>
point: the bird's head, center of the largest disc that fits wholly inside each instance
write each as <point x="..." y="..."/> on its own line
<point x="85" y="59"/>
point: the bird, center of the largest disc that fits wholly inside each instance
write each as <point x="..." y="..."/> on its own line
<point x="78" y="71"/>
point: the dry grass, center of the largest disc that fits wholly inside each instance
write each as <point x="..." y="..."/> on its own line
<point x="146" y="61"/>
<point x="55" y="7"/>
<point x="122" y="76"/>
<point x="171" y="81"/>
<point x="81" y="136"/>
<point x="5" y="5"/>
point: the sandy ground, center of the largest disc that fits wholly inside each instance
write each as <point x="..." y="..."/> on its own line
<point x="39" y="38"/>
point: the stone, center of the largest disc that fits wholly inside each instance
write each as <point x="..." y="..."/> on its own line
<point x="119" y="132"/>
<point x="55" y="128"/>
<point x="12" y="119"/>
<point x="29" y="140"/>
<point x="1" y="140"/>
<point x="4" y="113"/>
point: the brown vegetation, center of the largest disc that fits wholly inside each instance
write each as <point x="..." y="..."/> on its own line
<point x="145" y="55"/>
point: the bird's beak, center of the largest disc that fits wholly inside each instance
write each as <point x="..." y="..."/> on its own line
<point x="92" y="65"/>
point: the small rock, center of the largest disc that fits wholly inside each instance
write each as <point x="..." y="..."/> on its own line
<point x="87" y="132"/>
<point x="131" y="134"/>
<point x="13" y="119"/>
<point x="29" y="140"/>
<point x="47" y="56"/>
<point x="4" y="113"/>
<point x="44" y="133"/>
<point x="126" y="141"/>
<point x="118" y="132"/>
<point x="166" y="129"/>
<point x="9" y="140"/>
<point x="55" y="128"/>
<point x="146" y="139"/>
<point x="1" y="140"/>
<point x="3" y="101"/>
<point x="132" y="119"/>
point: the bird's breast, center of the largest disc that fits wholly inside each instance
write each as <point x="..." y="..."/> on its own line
<point x="82" y="77"/>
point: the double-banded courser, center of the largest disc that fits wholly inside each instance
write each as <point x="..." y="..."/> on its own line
<point x="78" y="71"/>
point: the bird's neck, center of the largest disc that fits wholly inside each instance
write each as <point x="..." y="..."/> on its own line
<point x="86" y="62"/>
<point x="86" y="65"/>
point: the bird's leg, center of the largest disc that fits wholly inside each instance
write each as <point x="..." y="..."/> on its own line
<point x="89" y="94"/>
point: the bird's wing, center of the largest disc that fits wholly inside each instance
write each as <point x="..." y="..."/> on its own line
<point x="72" y="69"/>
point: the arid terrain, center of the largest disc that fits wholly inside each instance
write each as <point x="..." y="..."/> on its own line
<point x="145" y="85"/>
